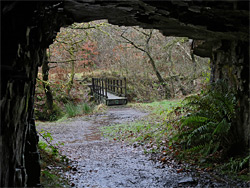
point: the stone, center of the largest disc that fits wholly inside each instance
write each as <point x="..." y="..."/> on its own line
<point x="186" y="180"/>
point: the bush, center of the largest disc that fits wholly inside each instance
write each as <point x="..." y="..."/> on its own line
<point x="73" y="110"/>
<point x="206" y="127"/>
<point x="44" y="114"/>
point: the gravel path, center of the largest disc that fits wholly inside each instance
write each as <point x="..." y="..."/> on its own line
<point x="102" y="163"/>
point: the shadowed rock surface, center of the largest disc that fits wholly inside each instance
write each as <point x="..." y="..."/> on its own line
<point x="221" y="30"/>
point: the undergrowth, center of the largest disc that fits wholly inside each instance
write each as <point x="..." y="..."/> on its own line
<point x="53" y="163"/>
<point x="205" y="124"/>
<point x="50" y="170"/>
<point x="197" y="130"/>
<point x="44" y="114"/>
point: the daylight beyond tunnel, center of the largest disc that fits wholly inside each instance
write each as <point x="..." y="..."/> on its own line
<point x="220" y="30"/>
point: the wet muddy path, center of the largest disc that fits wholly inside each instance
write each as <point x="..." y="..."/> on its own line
<point x="102" y="163"/>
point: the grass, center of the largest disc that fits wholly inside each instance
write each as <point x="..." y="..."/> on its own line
<point x="157" y="134"/>
<point x="157" y="107"/>
<point x="152" y="132"/>
<point x="73" y="110"/>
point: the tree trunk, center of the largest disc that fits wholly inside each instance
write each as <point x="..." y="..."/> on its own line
<point x="157" y="73"/>
<point x="230" y="61"/>
<point x="193" y="58"/>
<point x="72" y="74"/>
<point x="47" y="90"/>
<point x="160" y="79"/>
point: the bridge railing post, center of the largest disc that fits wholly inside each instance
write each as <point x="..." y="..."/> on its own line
<point x="99" y="90"/>
<point x="93" y="86"/>
<point x="125" y="86"/>
<point x="121" y="88"/>
<point x="117" y="87"/>
<point x="113" y="85"/>
<point x="106" y="88"/>
<point x="103" y="87"/>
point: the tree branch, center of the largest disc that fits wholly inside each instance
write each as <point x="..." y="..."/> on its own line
<point x="132" y="43"/>
<point x="161" y="80"/>
<point x="70" y="60"/>
<point x="141" y="31"/>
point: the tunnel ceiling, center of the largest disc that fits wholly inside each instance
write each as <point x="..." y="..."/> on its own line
<point x="202" y="20"/>
<point x="210" y="21"/>
<point x="195" y="19"/>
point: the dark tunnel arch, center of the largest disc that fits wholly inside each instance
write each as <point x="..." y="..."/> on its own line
<point x="220" y="30"/>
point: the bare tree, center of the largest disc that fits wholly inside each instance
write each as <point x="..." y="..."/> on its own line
<point x="146" y="50"/>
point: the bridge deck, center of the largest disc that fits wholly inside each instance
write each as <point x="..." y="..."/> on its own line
<point x="109" y="91"/>
<point x="115" y="100"/>
<point x="113" y="97"/>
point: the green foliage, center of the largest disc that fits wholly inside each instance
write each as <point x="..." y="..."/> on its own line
<point x="151" y="132"/>
<point x="50" y="177"/>
<point x="86" y="108"/>
<point x="208" y="120"/>
<point x="198" y="130"/>
<point x="73" y="110"/>
<point x="44" y="114"/>
<point x="235" y="165"/>
<point x="47" y="146"/>
<point x="157" y="107"/>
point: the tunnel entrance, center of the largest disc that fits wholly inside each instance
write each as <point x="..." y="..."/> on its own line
<point x="123" y="59"/>
<point x="221" y="31"/>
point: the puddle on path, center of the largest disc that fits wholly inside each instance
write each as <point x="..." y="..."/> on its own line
<point x="105" y="164"/>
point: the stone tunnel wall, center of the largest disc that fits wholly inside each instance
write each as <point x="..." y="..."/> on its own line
<point x="230" y="62"/>
<point x="27" y="34"/>
<point x="29" y="28"/>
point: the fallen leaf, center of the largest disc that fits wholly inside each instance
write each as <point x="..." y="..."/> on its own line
<point x="163" y="159"/>
<point x="164" y="152"/>
<point x="208" y="169"/>
<point x="179" y="170"/>
<point x="244" y="171"/>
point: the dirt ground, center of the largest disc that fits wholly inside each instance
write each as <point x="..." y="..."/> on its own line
<point x="101" y="163"/>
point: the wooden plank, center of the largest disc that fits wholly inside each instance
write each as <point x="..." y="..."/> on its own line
<point x="111" y="96"/>
<point x="115" y="100"/>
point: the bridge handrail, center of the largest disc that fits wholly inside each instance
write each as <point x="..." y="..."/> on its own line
<point x="101" y="86"/>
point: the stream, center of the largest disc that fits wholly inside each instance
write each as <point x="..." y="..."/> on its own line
<point x="103" y="163"/>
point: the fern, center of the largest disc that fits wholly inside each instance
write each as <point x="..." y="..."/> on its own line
<point x="195" y="148"/>
<point x="193" y="121"/>
<point x="208" y="119"/>
<point x="222" y="128"/>
<point x="236" y="165"/>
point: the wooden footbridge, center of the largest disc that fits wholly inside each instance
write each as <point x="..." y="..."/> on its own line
<point x="109" y="91"/>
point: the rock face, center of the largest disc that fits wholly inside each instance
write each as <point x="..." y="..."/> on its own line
<point x="221" y="30"/>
